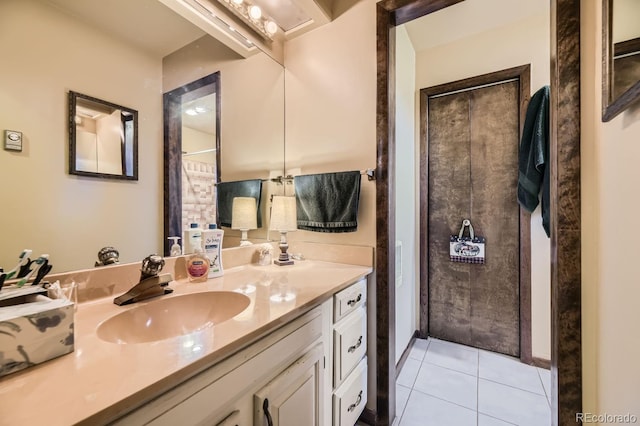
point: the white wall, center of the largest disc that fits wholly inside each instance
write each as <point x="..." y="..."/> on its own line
<point x="610" y="283"/>
<point x="520" y="43"/>
<point x="407" y="195"/>
<point x="46" y="53"/>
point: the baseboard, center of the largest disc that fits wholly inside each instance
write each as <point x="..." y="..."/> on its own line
<point x="405" y="354"/>
<point x="368" y="417"/>
<point x="541" y="362"/>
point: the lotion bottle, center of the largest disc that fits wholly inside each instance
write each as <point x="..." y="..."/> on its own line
<point x="192" y="239"/>
<point x="212" y="238"/>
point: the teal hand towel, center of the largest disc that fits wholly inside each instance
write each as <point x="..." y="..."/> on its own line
<point x="533" y="161"/>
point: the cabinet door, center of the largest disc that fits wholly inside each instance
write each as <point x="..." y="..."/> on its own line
<point x="294" y="397"/>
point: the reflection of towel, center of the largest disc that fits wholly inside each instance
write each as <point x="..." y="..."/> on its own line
<point x="533" y="164"/>
<point x="328" y="202"/>
<point x="227" y="191"/>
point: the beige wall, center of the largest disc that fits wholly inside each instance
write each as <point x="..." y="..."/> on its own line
<point x="331" y="107"/>
<point x="520" y="43"/>
<point x="610" y="290"/>
<point x="44" y="55"/>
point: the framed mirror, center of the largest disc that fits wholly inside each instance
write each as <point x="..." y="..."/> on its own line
<point x="620" y="56"/>
<point x="103" y="138"/>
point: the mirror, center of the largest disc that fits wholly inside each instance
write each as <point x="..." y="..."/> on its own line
<point x="119" y="51"/>
<point x="621" y="56"/>
<point x="251" y="133"/>
<point x="103" y="138"/>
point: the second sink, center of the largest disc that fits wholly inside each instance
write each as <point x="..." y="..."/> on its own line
<point x="173" y="316"/>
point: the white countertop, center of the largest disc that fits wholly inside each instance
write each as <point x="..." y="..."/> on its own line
<point x="100" y="381"/>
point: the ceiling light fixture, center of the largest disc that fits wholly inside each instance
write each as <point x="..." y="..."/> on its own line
<point x="252" y="15"/>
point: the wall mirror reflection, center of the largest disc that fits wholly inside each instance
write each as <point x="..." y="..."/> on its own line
<point x="103" y="138"/>
<point x="621" y="56"/>
<point x="119" y="51"/>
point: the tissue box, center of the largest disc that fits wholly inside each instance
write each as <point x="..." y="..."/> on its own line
<point x="33" y="328"/>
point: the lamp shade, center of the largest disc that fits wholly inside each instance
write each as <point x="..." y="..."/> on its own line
<point x="283" y="214"/>
<point x="244" y="213"/>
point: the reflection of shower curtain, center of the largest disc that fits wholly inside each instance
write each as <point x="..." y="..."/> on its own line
<point x="198" y="193"/>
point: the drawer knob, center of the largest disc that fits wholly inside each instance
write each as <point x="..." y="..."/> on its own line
<point x="356" y="346"/>
<point x="355" y="404"/>
<point x="352" y="302"/>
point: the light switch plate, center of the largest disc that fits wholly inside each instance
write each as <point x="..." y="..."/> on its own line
<point x="12" y="140"/>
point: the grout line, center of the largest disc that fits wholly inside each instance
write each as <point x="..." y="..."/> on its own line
<point x="442" y="399"/>
<point x="513" y="387"/>
<point x="544" y="389"/>
<point x="449" y="368"/>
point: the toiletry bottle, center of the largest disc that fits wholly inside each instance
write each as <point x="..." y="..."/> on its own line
<point x="212" y="238"/>
<point x="197" y="266"/>
<point x="192" y="239"/>
<point x="176" y="250"/>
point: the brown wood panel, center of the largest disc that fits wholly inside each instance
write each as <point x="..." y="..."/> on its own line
<point x="449" y="194"/>
<point x="495" y="214"/>
<point x="473" y="149"/>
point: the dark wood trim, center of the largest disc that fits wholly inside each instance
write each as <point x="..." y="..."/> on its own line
<point x="385" y="221"/>
<point x="566" y="344"/>
<point x="523" y="74"/>
<point x="626" y="47"/>
<point x="405" y="354"/>
<point x="172" y="117"/>
<point x="368" y="417"/>
<point x="566" y="371"/>
<point x="541" y="363"/>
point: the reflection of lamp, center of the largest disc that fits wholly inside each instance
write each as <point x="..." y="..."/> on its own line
<point x="283" y="219"/>
<point x="244" y="217"/>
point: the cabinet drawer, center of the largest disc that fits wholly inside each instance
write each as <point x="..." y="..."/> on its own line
<point x="349" y="344"/>
<point x="349" y="299"/>
<point x="351" y="397"/>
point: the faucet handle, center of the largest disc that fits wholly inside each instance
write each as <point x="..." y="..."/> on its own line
<point x="151" y="265"/>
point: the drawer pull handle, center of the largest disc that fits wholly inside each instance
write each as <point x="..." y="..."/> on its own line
<point x="355" y="404"/>
<point x="226" y="420"/>
<point x="265" y="408"/>
<point x="352" y="302"/>
<point x="356" y="346"/>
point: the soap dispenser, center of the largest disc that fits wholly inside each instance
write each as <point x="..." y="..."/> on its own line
<point x="176" y="250"/>
<point x="198" y="266"/>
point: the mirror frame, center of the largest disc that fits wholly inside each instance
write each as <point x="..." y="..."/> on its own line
<point x="73" y="100"/>
<point x="612" y="107"/>
<point x="172" y="117"/>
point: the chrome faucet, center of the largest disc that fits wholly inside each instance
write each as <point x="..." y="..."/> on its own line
<point x="150" y="285"/>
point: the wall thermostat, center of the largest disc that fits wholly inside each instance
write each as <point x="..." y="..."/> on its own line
<point x="12" y="140"/>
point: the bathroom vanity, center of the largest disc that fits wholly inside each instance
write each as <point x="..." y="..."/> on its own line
<point x="295" y="354"/>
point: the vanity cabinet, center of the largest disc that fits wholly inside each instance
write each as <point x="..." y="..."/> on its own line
<point x="349" y="354"/>
<point x="284" y="367"/>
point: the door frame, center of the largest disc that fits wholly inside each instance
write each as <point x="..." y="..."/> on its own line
<point x="523" y="75"/>
<point x="565" y="208"/>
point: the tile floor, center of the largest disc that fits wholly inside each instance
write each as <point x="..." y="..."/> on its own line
<point x="448" y="384"/>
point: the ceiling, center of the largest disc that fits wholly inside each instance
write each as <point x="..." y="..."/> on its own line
<point x="470" y="17"/>
<point x="121" y="18"/>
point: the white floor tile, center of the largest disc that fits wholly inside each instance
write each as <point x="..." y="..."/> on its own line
<point x="418" y="349"/>
<point x="452" y="355"/>
<point x="450" y="385"/>
<point x="425" y="410"/>
<point x="408" y="373"/>
<point x="513" y="405"/>
<point x="509" y="371"/>
<point x="402" y="396"/>
<point x="545" y="377"/>
<point x="484" y="420"/>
